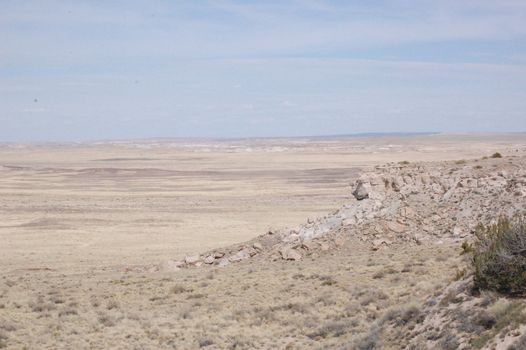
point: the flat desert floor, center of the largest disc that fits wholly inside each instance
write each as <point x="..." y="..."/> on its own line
<point x="72" y="215"/>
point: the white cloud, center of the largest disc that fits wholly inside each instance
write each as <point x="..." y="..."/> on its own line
<point x="73" y="32"/>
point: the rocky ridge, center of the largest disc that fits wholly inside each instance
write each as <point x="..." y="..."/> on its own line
<point x="411" y="203"/>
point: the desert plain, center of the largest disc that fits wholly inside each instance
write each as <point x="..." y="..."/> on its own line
<point x="82" y="225"/>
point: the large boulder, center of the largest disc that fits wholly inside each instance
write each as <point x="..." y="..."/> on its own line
<point x="360" y="192"/>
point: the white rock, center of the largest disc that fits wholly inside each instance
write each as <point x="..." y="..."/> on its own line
<point x="218" y="254"/>
<point x="171" y="265"/>
<point x="324" y="246"/>
<point x="308" y="245"/>
<point x="287" y="253"/>
<point x="192" y="259"/>
<point x="223" y="262"/>
<point x="396" y="227"/>
<point x="241" y="255"/>
<point x="378" y="243"/>
<point x="209" y="259"/>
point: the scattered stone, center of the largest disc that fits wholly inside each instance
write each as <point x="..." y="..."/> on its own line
<point x="192" y="259"/>
<point x="396" y="227"/>
<point x="209" y="260"/>
<point x="309" y="245"/>
<point x="348" y="222"/>
<point x="324" y="246"/>
<point x="287" y="253"/>
<point x="171" y="265"/>
<point x="218" y="254"/>
<point x="257" y="246"/>
<point x="291" y="238"/>
<point x="241" y="255"/>
<point x="275" y="257"/>
<point x="378" y="243"/>
<point x="339" y="241"/>
<point x="223" y="262"/>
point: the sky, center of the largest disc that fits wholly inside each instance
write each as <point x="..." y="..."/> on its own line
<point x="92" y="70"/>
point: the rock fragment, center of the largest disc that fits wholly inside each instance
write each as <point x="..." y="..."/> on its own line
<point x="287" y="253"/>
<point x="192" y="259"/>
<point x="396" y="227"/>
<point x="378" y="243"/>
<point x="241" y="255"/>
<point x="223" y="262"/>
<point x="324" y="246"/>
<point x="209" y="260"/>
<point x="171" y="265"/>
<point x="218" y="254"/>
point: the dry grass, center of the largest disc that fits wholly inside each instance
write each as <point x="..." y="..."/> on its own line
<point x="327" y="302"/>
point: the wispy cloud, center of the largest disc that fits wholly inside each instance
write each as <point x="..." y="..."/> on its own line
<point x="66" y="32"/>
<point x="221" y="67"/>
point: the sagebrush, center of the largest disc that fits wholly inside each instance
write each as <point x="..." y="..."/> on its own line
<point x="499" y="256"/>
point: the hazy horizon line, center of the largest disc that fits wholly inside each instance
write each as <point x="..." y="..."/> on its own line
<point x="226" y="138"/>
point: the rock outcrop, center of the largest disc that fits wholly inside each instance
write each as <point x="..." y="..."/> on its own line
<point x="425" y="201"/>
<point x="397" y="203"/>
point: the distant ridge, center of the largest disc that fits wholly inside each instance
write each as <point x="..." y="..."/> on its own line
<point x="256" y="138"/>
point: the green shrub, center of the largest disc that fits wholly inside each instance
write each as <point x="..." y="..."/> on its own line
<point x="466" y="248"/>
<point x="496" y="155"/>
<point x="499" y="256"/>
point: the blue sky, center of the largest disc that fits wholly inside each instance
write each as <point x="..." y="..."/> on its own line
<point x="85" y="70"/>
